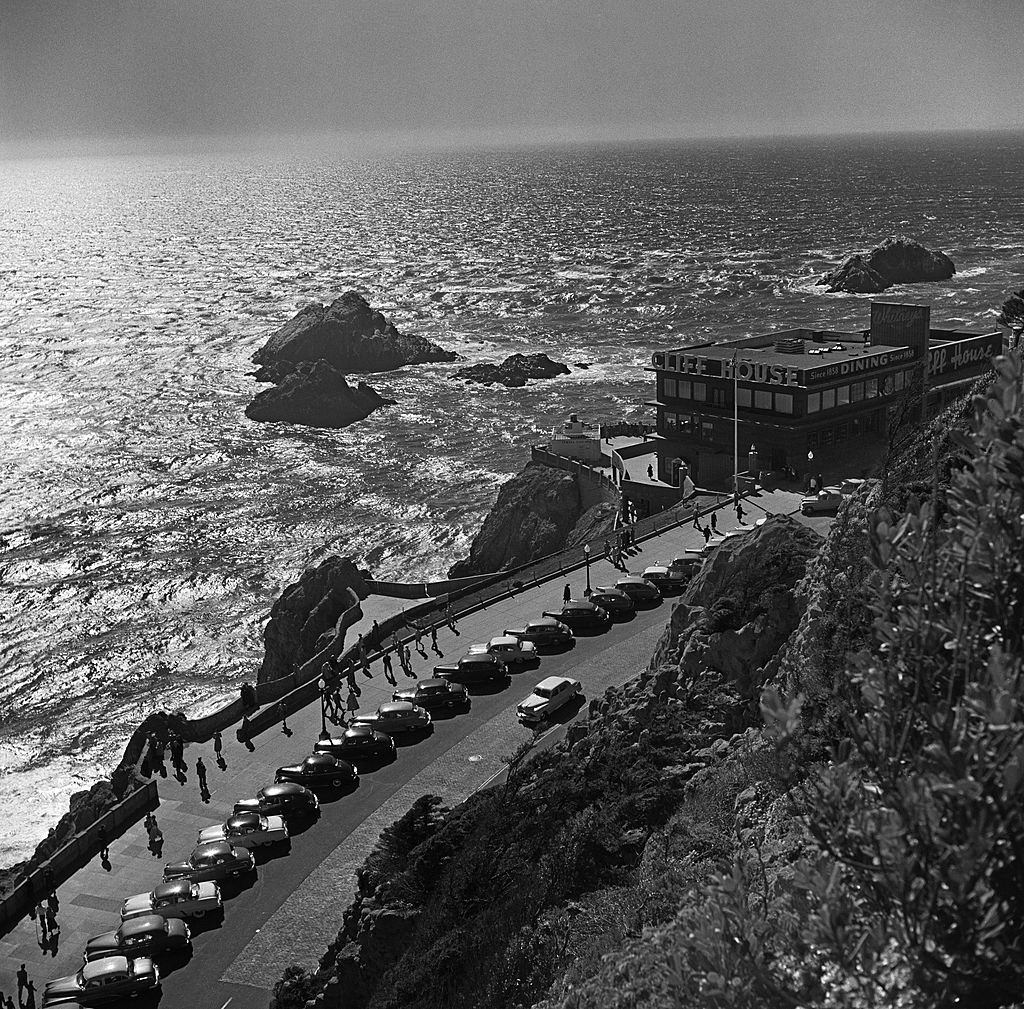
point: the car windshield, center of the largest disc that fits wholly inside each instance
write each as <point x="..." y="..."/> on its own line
<point x="542" y="692"/>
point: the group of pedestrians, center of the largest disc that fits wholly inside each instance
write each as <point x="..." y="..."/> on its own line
<point x="26" y="991"/>
<point x="156" y="837"/>
<point x="48" y="928"/>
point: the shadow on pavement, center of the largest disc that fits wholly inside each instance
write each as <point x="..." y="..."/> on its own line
<point x="237" y="884"/>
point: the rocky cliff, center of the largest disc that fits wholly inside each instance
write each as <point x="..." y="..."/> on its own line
<point x="315" y="394"/>
<point x="347" y="334"/>
<point x="306" y="610"/>
<point x="514" y="371"/>
<point x="895" y="261"/>
<point x="535" y="514"/>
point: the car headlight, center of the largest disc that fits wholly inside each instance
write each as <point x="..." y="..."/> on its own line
<point x="355" y="770"/>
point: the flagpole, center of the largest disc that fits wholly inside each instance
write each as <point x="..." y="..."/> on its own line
<point x="735" y="428"/>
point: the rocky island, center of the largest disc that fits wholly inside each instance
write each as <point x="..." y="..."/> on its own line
<point x="895" y="261"/>
<point x="310" y="355"/>
<point x="515" y="371"/>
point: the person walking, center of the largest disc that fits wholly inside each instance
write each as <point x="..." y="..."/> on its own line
<point x="101" y="840"/>
<point x="201" y="775"/>
<point x="22" y="978"/>
<point x="739" y="513"/>
<point x="714" y="522"/>
<point x="389" y="670"/>
<point x="30" y="991"/>
<point x="650" y="472"/>
<point x="51" y="921"/>
<point x="451" y="619"/>
<point x="707" y="534"/>
<point x="364" y="661"/>
<point x="566" y="593"/>
<point x="350" y="679"/>
<point x="352" y="703"/>
<point x="218" y="745"/>
<point x="433" y="640"/>
<point x="52" y="903"/>
<point x="41" y="916"/>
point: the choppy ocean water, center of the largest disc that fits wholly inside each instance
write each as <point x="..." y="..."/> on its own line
<point x="147" y="525"/>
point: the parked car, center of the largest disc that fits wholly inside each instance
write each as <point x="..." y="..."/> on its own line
<point x="547" y="697"/>
<point x="431" y="694"/>
<point x="850" y="486"/>
<point x="180" y="899"/>
<point x="285" y="798"/>
<point x="101" y="981"/>
<point x="216" y="861"/>
<point x="544" y="632"/>
<point x="246" y="830"/>
<point x="617" y="603"/>
<point x="474" y="668"/>
<point x="639" y="589"/>
<point x="357" y="741"/>
<point x="664" y="577"/>
<point x="581" y="614"/>
<point x="826" y="500"/>
<point x="396" y="717"/>
<point x="319" y="770"/>
<point x="151" y="935"/>
<point x="510" y="649"/>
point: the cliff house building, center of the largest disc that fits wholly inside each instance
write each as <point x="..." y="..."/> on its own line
<point x="803" y="398"/>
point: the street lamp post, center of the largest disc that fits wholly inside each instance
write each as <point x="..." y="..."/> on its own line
<point x="586" y="557"/>
<point x="322" y="684"/>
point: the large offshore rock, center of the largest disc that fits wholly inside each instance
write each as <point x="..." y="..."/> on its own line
<point x="895" y="261"/>
<point x="514" y="371"/>
<point x="305" y="610"/>
<point x="317" y="395"/>
<point x="348" y="334"/>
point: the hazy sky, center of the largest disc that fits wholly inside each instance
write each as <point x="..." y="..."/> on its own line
<point x="510" y="68"/>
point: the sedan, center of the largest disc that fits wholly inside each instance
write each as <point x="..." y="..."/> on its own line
<point x="151" y="935"/>
<point x="547" y="697"/>
<point x="431" y="694"/>
<point x="397" y="716"/>
<point x="357" y="741"/>
<point x="639" y="589"/>
<point x="180" y="899"/>
<point x="282" y="799"/>
<point x="580" y="614"/>
<point x="216" y="861"/>
<point x="664" y="577"/>
<point x="320" y="770"/>
<point x="108" y="980"/>
<point x="510" y="649"/>
<point x="247" y="830"/>
<point x="547" y="631"/>
<point x="827" y="500"/>
<point x="615" y="602"/>
<point x="478" y="668"/>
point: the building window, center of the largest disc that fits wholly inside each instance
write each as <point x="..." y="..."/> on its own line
<point x="762" y="399"/>
<point x="742" y="396"/>
<point x="841" y="432"/>
<point x="826" y="437"/>
<point x="813" y="402"/>
<point x="671" y="388"/>
<point x="886" y="388"/>
<point x="843" y="395"/>
<point x="685" y="389"/>
<point x="707" y="431"/>
<point x="700" y="391"/>
<point x="828" y="399"/>
<point x="871" y="388"/>
<point x="720" y="396"/>
<point x="672" y="362"/>
<point x="783" y="402"/>
<point x="668" y="421"/>
<point x="812" y="441"/>
<point x="897" y="381"/>
<point x="857" y="392"/>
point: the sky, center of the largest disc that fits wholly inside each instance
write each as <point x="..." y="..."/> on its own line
<point x="140" y="71"/>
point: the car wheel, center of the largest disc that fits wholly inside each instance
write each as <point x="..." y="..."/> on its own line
<point x="198" y="914"/>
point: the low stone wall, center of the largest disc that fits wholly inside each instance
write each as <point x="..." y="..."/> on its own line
<point x="595" y="487"/>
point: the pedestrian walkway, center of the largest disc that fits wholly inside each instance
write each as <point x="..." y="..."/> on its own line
<point x="293" y="908"/>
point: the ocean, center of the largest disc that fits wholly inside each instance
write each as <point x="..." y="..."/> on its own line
<point x="146" y="526"/>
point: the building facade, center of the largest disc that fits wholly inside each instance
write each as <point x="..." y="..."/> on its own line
<point x="803" y="398"/>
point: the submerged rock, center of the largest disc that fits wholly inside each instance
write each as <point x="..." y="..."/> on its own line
<point x="895" y="261"/>
<point x="316" y="394"/>
<point x="514" y="371"/>
<point x="349" y="335"/>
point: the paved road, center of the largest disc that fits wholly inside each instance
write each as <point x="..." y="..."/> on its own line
<point x="294" y="905"/>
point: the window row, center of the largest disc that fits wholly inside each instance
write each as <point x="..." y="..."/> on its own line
<point x="845" y="430"/>
<point x="681" y="388"/>
<point x="764" y="399"/>
<point x="688" y="424"/>
<point x="857" y="392"/>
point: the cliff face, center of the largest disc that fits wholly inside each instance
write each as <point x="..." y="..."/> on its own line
<point x="535" y="514"/>
<point x="349" y="335"/>
<point x="306" y="610"/>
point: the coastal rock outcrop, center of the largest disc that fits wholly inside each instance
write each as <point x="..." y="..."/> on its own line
<point x="514" y="371"/>
<point x="305" y="610"/>
<point x="314" y="393"/>
<point x="348" y="334"/>
<point x="535" y="514"/>
<point x="895" y="261"/>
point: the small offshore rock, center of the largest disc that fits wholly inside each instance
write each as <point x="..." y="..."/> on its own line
<point x="895" y="261"/>
<point x="514" y="371"/>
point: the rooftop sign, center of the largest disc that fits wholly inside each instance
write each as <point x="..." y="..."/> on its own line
<point x="964" y="353"/>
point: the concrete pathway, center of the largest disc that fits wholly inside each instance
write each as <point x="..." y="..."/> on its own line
<point x="294" y="906"/>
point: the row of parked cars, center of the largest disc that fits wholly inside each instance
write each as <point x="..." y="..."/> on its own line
<point x="123" y="962"/>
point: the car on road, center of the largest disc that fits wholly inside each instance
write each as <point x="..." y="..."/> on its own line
<point x="473" y="668"/>
<point x="246" y="830"/>
<point x="284" y="798"/>
<point x="102" y="981"/>
<point x="151" y="935"/>
<point x="545" y="632"/>
<point x="687" y="563"/>
<point x="639" y="589"/>
<point x="180" y="899"/>
<point x="664" y="577"/>
<point x="216" y="861"/>
<point x="357" y="742"/>
<point x="850" y="486"/>
<point x="547" y="697"/>
<point x="617" y="603"/>
<point x="319" y="770"/>
<point x="432" y="694"/>
<point x="510" y="649"/>
<point x="581" y="614"/>
<point x="826" y="500"/>
<point x="396" y="717"/>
